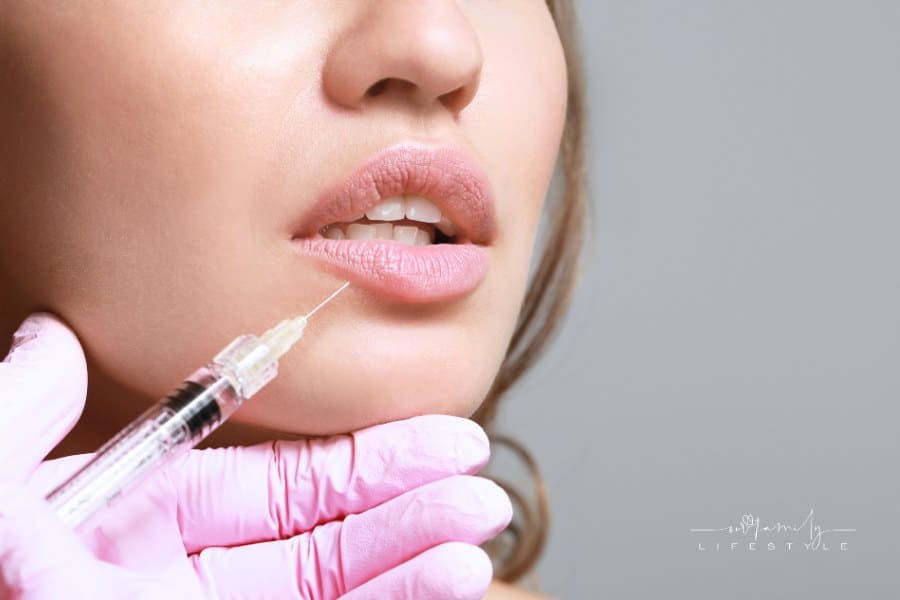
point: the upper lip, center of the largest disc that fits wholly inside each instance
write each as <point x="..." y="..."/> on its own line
<point x="446" y="175"/>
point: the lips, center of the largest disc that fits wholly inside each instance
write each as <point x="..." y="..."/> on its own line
<point x="447" y="177"/>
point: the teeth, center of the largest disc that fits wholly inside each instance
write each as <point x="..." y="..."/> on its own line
<point x="387" y="210"/>
<point x="333" y="233"/>
<point x="446" y="227"/>
<point x="413" y="208"/>
<point x="358" y="231"/>
<point x="406" y="234"/>
<point x="384" y="231"/>
<point x="420" y="209"/>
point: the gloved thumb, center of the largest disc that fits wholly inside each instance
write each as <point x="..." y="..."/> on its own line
<point x="43" y="384"/>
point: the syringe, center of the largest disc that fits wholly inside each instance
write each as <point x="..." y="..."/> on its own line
<point x="178" y="422"/>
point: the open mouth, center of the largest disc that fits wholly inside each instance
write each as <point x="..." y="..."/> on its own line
<point x="407" y="219"/>
<point x="414" y="223"/>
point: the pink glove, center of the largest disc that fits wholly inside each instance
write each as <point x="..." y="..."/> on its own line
<point x="391" y="511"/>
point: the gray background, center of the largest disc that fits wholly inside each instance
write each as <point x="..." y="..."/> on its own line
<point x="735" y="345"/>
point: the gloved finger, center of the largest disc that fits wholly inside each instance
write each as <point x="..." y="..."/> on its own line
<point x="452" y="570"/>
<point x="457" y="509"/>
<point x="234" y="496"/>
<point x="340" y="556"/>
<point x="51" y="473"/>
<point x="43" y="383"/>
<point x="33" y="543"/>
<point x="41" y="558"/>
<point x="138" y="531"/>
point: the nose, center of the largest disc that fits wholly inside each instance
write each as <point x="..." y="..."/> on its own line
<point x="422" y="52"/>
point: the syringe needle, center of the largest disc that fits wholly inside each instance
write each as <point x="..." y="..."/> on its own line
<point x="179" y="421"/>
<point x="326" y="300"/>
<point x="283" y="336"/>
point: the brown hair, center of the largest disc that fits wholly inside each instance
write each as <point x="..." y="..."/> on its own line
<point x="546" y="302"/>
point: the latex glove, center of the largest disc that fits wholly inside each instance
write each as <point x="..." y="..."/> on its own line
<point x="387" y="512"/>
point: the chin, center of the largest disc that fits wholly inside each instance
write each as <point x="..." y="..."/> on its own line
<point x="316" y="394"/>
<point x="288" y="406"/>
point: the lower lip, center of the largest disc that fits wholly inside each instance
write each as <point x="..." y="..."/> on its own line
<point x="433" y="273"/>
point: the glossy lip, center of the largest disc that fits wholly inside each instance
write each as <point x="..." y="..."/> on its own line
<point x="448" y="177"/>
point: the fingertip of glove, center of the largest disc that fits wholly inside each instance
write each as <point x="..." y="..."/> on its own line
<point x="28" y="331"/>
<point x="47" y="359"/>
<point x="486" y="504"/>
<point x="447" y="436"/>
<point x="473" y="447"/>
<point x="467" y="571"/>
<point x="502" y="508"/>
<point x="37" y="331"/>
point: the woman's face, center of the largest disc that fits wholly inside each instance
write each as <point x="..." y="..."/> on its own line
<point x="169" y="171"/>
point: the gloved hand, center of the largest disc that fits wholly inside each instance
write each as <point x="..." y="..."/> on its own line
<point x="391" y="511"/>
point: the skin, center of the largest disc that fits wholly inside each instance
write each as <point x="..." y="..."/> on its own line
<point x="154" y="155"/>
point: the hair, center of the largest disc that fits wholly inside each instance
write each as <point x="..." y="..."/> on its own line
<point x="545" y="303"/>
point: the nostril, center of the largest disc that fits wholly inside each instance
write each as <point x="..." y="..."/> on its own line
<point x="377" y="87"/>
<point x="456" y="100"/>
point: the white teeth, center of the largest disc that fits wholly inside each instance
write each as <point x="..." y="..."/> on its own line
<point x="420" y="209"/>
<point x="414" y="208"/>
<point x="387" y="210"/>
<point x="422" y="238"/>
<point x="446" y="227"/>
<point x="359" y="231"/>
<point x="406" y="234"/>
<point x="333" y="233"/>
<point x="384" y="231"/>
<point x="410" y="235"/>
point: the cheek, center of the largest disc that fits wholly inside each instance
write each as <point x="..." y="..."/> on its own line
<point x="519" y="114"/>
<point x="130" y="197"/>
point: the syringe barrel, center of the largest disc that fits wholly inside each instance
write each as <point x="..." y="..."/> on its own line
<point x="169" y="428"/>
